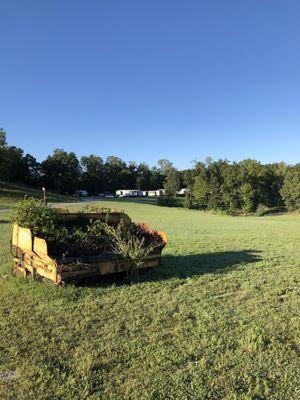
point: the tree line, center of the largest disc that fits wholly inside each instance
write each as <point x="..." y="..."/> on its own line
<point x="220" y="184"/>
<point x="63" y="172"/>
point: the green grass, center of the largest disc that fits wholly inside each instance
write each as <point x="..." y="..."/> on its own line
<point x="219" y="319"/>
<point x="10" y="193"/>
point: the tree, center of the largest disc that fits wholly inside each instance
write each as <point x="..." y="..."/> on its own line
<point x="92" y="177"/>
<point x="156" y="179"/>
<point x="211" y="184"/>
<point x="247" y="197"/>
<point x="2" y="138"/>
<point x="215" y="183"/>
<point x="32" y="170"/>
<point x="188" y="177"/>
<point x="230" y="187"/>
<point x="12" y="166"/>
<point x="201" y="186"/>
<point x="252" y="172"/>
<point x="172" y="183"/>
<point x="143" y="175"/>
<point x="164" y="166"/>
<point x="113" y="167"/>
<point x="2" y="153"/>
<point x="280" y="171"/>
<point x="290" y="190"/>
<point x="62" y="171"/>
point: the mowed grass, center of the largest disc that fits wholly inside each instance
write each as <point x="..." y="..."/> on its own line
<point x="219" y="319"/>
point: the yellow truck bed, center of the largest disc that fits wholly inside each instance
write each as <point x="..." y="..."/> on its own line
<point x="30" y="256"/>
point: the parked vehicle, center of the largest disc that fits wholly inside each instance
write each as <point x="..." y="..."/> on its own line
<point x="81" y="193"/>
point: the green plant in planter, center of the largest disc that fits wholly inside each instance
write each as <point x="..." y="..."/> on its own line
<point x="131" y="247"/>
<point x="95" y="237"/>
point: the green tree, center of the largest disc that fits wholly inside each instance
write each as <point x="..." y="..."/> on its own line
<point x="114" y="178"/>
<point x="252" y="172"/>
<point x="2" y="138"/>
<point x="201" y="186"/>
<point x="164" y="166"/>
<point x="247" y="197"/>
<point x="143" y="175"/>
<point x="188" y="177"/>
<point x="12" y="166"/>
<point x="290" y="190"/>
<point x="215" y="183"/>
<point x="32" y="170"/>
<point x="230" y="187"/>
<point x="92" y="177"/>
<point x="62" y="171"/>
<point x="172" y="183"/>
<point x="156" y="180"/>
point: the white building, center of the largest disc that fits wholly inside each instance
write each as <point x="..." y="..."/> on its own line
<point x="139" y="193"/>
<point x="128" y="193"/>
<point x="156" y="193"/>
<point x="182" y="191"/>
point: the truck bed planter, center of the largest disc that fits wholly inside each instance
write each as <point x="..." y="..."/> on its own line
<point x="31" y="257"/>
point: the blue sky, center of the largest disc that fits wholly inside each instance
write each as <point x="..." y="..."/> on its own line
<point x="145" y="80"/>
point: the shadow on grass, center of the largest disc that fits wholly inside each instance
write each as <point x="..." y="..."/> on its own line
<point x="190" y="265"/>
<point x="5" y="221"/>
<point x="182" y="267"/>
<point x="136" y="200"/>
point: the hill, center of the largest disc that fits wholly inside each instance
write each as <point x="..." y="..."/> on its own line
<point x="12" y="192"/>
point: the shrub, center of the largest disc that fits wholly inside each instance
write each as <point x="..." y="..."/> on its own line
<point x="188" y="201"/>
<point x="33" y="214"/>
<point x="169" y="201"/>
<point x="133" y="248"/>
<point x="94" y="237"/>
<point x="262" y="210"/>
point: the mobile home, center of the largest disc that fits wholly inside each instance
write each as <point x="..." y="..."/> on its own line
<point x="128" y="193"/>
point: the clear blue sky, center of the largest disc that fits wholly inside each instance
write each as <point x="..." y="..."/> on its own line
<point x="145" y="80"/>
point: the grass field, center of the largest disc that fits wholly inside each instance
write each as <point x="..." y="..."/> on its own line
<point x="218" y="320"/>
<point x="10" y="193"/>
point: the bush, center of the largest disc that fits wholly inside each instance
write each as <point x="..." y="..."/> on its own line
<point x="131" y="246"/>
<point x="168" y="201"/>
<point x="33" y="214"/>
<point x="188" y="201"/>
<point x="261" y="210"/>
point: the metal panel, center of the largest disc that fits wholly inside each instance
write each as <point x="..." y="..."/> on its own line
<point x="24" y="239"/>
<point x="40" y="246"/>
<point x="15" y="235"/>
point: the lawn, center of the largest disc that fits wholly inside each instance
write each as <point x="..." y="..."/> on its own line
<point x="219" y="319"/>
